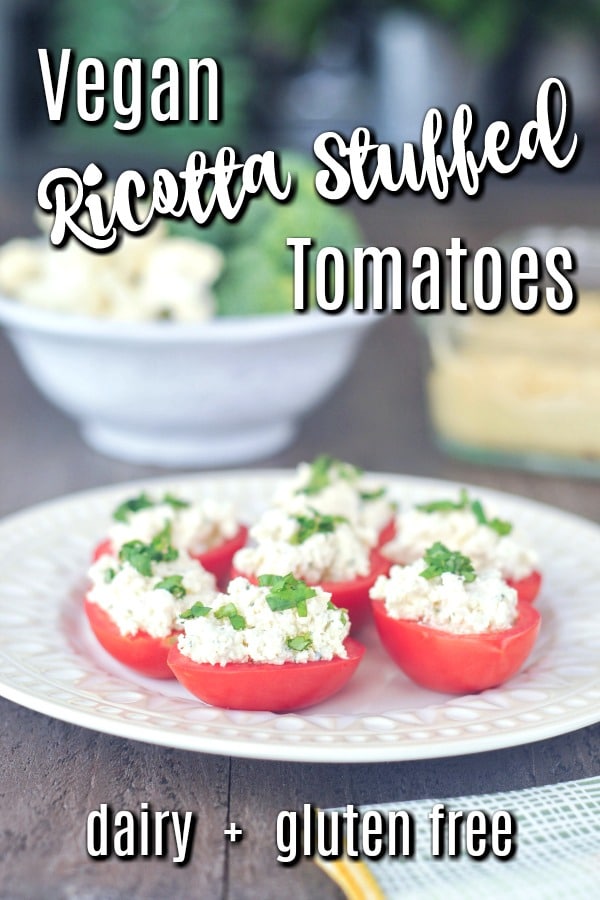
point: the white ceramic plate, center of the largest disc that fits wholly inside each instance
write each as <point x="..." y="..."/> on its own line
<point x="50" y="662"/>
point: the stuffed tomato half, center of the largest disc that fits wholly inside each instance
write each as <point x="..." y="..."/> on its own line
<point x="457" y="663"/>
<point x="276" y="646"/>
<point x="464" y="525"/>
<point x="205" y="529"/>
<point x="145" y="653"/>
<point x="135" y="600"/>
<point x="451" y="629"/>
<point x="352" y="596"/>
<point x="323" y="550"/>
<point x="334" y="487"/>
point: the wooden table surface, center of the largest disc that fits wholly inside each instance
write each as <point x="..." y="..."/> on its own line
<point x="52" y="774"/>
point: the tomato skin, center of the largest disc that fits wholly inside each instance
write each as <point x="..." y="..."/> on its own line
<point x="104" y="548"/>
<point x="527" y="588"/>
<point x="140" y="651"/>
<point x="217" y="560"/>
<point x="387" y="533"/>
<point x="266" y="686"/>
<point x="457" y="663"/>
<point x="350" y="595"/>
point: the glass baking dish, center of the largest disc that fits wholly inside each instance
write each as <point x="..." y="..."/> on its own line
<point x="523" y="390"/>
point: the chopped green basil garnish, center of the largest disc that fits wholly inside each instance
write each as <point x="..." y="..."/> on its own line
<point x="175" y="502"/>
<point x="134" y="504"/>
<point x="109" y="574"/>
<point x="372" y="495"/>
<point x="141" y="556"/>
<point x="500" y="526"/>
<point x="300" y="642"/>
<point x="195" y="611"/>
<point x="138" y="555"/>
<point x="321" y="470"/>
<point x="440" y="559"/>
<point x="445" y="505"/>
<point x="229" y="611"/>
<point x="287" y="592"/>
<point x="143" y="501"/>
<point x="343" y="612"/>
<point x="161" y="547"/>
<point x="318" y="523"/>
<point x="173" y="584"/>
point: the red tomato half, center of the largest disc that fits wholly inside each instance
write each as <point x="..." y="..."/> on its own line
<point x="266" y="686"/>
<point x="216" y="560"/>
<point x="140" y="651"/>
<point x="350" y="595"/>
<point x="104" y="548"/>
<point x="527" y="588"/>
<point x="457" y="663"/>
<point x="387" y="533"/>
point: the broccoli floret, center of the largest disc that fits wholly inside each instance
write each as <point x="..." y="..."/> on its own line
<point x="258" y="272"/>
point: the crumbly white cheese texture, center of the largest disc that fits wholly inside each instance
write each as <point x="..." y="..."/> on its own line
<point x="133" y="601"/>
<point x="448" y="602"/>
<point x="417" y="530"/>
<point x="202" y="525"/>
<point x="208" y="639"/>
<point x="339" y="555"/>
<point x="152" y="276"/>
<point x="348" y="497"/>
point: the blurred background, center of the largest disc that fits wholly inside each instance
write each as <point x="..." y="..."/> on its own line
<point x="293" y="70"/>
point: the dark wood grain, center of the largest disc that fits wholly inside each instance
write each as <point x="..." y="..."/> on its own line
<point x="53" y="773"/>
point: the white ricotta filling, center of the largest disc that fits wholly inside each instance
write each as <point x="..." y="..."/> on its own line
<point x="448" y="602"/>
<point x="135" y="604"/>
<point x="202" y="525"/>
<point x="339" y="555"/>
<point x="417" y="530"/>
<point x="341" y="497"/>
<point x="208" y="639"/>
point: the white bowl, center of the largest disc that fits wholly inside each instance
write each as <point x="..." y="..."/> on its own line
<point x="220" y="392"/>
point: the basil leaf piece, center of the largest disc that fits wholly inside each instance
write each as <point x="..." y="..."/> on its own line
<point x="175" y="502"/>
<point x="299" y="642"/>
<point x="319" y="475"/>
<point x="195" y="611"/>
<point x="161" y="548"/>
<point x="271" y="580"/>
<point x="500" y="526"/>
<point x="133" y="505"/>
<point x="109" y="575"/>
<point x="343" y="612"/>
<point x="321" y="470"/>
<point x="372" y="495"/>
<point x="440" y="559"/>
<point x="138" y="555"/>
<point x="477" y="510"/>
<point x="141" y="556"/>
<point x="143" y="501"/>
<point x="223" y="612"/>
<point x="318" y="523"/>
<point x="229" y="611"/>
<point x="173" y="584"/>
<point x="445" y="505"/>
<point x="287" y="592"/>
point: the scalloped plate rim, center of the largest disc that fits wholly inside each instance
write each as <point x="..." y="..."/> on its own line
<point x="303" y="742"/>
